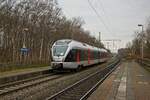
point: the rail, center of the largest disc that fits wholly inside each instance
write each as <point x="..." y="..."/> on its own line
<point x="13" y="87"/>
<point x="83" y="88"/>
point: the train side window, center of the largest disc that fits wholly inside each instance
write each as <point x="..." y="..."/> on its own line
<point x="73" y="52"/>
<point x="85" y="54"/>
<point x="96" y="55"/>
<point x="71" y="56"/>
<point x="82" y="55"/>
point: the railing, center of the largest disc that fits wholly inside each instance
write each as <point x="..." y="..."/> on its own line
<point x="145" y="61"/>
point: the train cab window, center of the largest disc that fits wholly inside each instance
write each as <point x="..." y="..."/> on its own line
<point x="59" y="50"/>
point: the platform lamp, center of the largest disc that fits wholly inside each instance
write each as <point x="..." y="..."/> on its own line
<point x="142" y="49"/>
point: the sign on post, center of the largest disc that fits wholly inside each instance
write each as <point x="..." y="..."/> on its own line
<point x="24" y="50"/>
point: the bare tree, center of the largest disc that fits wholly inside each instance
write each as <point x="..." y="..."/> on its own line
<point x="35" y="25"/>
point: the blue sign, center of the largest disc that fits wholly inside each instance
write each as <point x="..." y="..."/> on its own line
<point x="24" y="50"/>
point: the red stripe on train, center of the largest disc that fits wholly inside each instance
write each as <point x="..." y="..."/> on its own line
<point x="88" y="56"/>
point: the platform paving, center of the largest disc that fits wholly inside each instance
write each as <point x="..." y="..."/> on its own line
<point x="129" y="81"/>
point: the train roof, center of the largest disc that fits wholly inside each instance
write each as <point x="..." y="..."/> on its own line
<point x="74" y="43"/>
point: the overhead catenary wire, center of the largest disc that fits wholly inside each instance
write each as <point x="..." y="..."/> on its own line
<point x="104" y="11"/>
<point x="99" y="17"/>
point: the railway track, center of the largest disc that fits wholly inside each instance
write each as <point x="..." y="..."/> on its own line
<point x="19" y="85"/>
<point x="83" y="88"/>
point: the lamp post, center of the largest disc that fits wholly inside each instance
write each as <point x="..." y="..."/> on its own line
<point x="142" y="50"/>
<point x="24" y="37"/>
<point x="23" y="49"/>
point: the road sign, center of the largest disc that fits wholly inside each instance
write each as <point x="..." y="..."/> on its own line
<point x="24" y="49"/>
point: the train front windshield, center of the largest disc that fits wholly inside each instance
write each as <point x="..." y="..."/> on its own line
<point x="59" y="50"/>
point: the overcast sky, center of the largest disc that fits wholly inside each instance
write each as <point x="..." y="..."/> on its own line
<point x="120" y="17"/>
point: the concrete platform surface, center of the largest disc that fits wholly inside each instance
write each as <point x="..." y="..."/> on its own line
<point x="129" y="81"/>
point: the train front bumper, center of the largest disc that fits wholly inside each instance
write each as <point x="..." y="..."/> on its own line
<point x="57" y="65"/>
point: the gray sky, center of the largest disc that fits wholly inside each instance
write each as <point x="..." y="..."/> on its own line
<point x="120" y="16"/>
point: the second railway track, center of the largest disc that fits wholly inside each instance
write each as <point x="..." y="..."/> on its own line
<point x="83" y="88"/>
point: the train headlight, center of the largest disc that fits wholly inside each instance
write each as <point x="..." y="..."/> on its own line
<point x="57" y="65"/>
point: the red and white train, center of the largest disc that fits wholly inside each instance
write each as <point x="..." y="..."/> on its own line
<point x="71" y="54"/>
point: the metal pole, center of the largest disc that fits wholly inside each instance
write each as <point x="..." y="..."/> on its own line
<point x="72" y="34"/>
<point x="24" y="37"/>
<point x="24" y="44"/>
<point x="113" y="45"/>
<point x="72" y="31"/>
<point x="107" y="45"/>
<point x="99" y="37"/>
<point x="142" y="42"/>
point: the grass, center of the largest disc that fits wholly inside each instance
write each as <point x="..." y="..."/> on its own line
<point x="17" y="68"/>
<point x="20" y="67"/>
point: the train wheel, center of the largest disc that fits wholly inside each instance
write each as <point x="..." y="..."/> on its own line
<point x="79" y="68"/>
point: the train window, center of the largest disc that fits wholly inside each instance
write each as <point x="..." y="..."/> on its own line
<point x="83" y="55"/>
<point x="59" y="50"/>
<point x="86" y="55"/>
<point x="94" y="55"/>
<point x="63" y="42"/>
<point x="71" y="57"/>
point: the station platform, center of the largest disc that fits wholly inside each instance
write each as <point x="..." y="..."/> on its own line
<point x="22" y="74"/>
<point x="129" y="81"/>
<point x="23" y="71"/>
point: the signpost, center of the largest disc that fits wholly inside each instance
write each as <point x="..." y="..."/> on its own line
<point x="24" y="53"/>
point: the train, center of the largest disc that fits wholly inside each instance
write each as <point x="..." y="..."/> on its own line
<point x="73" y="55"/>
